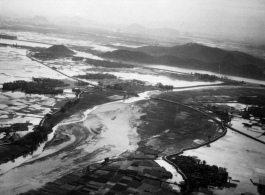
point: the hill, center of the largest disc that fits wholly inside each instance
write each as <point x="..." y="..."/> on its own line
<point x="202" y="53"/>
<point x="55" y="51"/>
<point x="59" y="50"/>
<point x="193" y="55"/>
<point x="126" y="55"/>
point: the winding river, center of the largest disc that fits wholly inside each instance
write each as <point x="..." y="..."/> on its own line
<point x="42" y="153"/>
<point x="39" y="152"/>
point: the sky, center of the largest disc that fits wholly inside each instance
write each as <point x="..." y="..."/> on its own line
<point x="217" y="17"/>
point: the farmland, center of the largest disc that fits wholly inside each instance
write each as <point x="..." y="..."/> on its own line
<point x="126" y="176"/>
<point x="170" y="128"/>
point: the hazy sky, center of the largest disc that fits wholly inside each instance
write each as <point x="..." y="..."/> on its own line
<point x="213" y="16"/>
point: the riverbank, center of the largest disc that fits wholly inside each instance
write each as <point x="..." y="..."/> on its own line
<point x="102" y="124"/>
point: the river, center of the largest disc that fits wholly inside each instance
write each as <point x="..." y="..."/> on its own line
<point x="145" y="95"/>
<point x="40" y="153"/>
<point x="185" y="70"/>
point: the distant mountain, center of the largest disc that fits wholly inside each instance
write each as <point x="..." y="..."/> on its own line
<point x="193" y="55"/>
<point x="73" y="21"/>
<point x="40" y="19"/>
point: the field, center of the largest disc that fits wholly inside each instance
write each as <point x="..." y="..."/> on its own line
<point x="169" y="127"/>
<point x="240" y="155"/>
<point x="126" y="176"/>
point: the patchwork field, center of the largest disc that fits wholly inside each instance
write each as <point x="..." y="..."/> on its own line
<point x="125" y="176"/>
<point x="170" y="127"/>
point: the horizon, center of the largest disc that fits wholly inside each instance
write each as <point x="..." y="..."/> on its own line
<point x="234" y="19"/>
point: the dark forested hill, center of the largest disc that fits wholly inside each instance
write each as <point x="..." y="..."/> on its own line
<point x="133" y="56"/>
<point x="59" y="50"/>
<point x="193" y="55"/>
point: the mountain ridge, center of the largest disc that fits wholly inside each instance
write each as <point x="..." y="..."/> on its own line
<point x="194" y="55"/>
